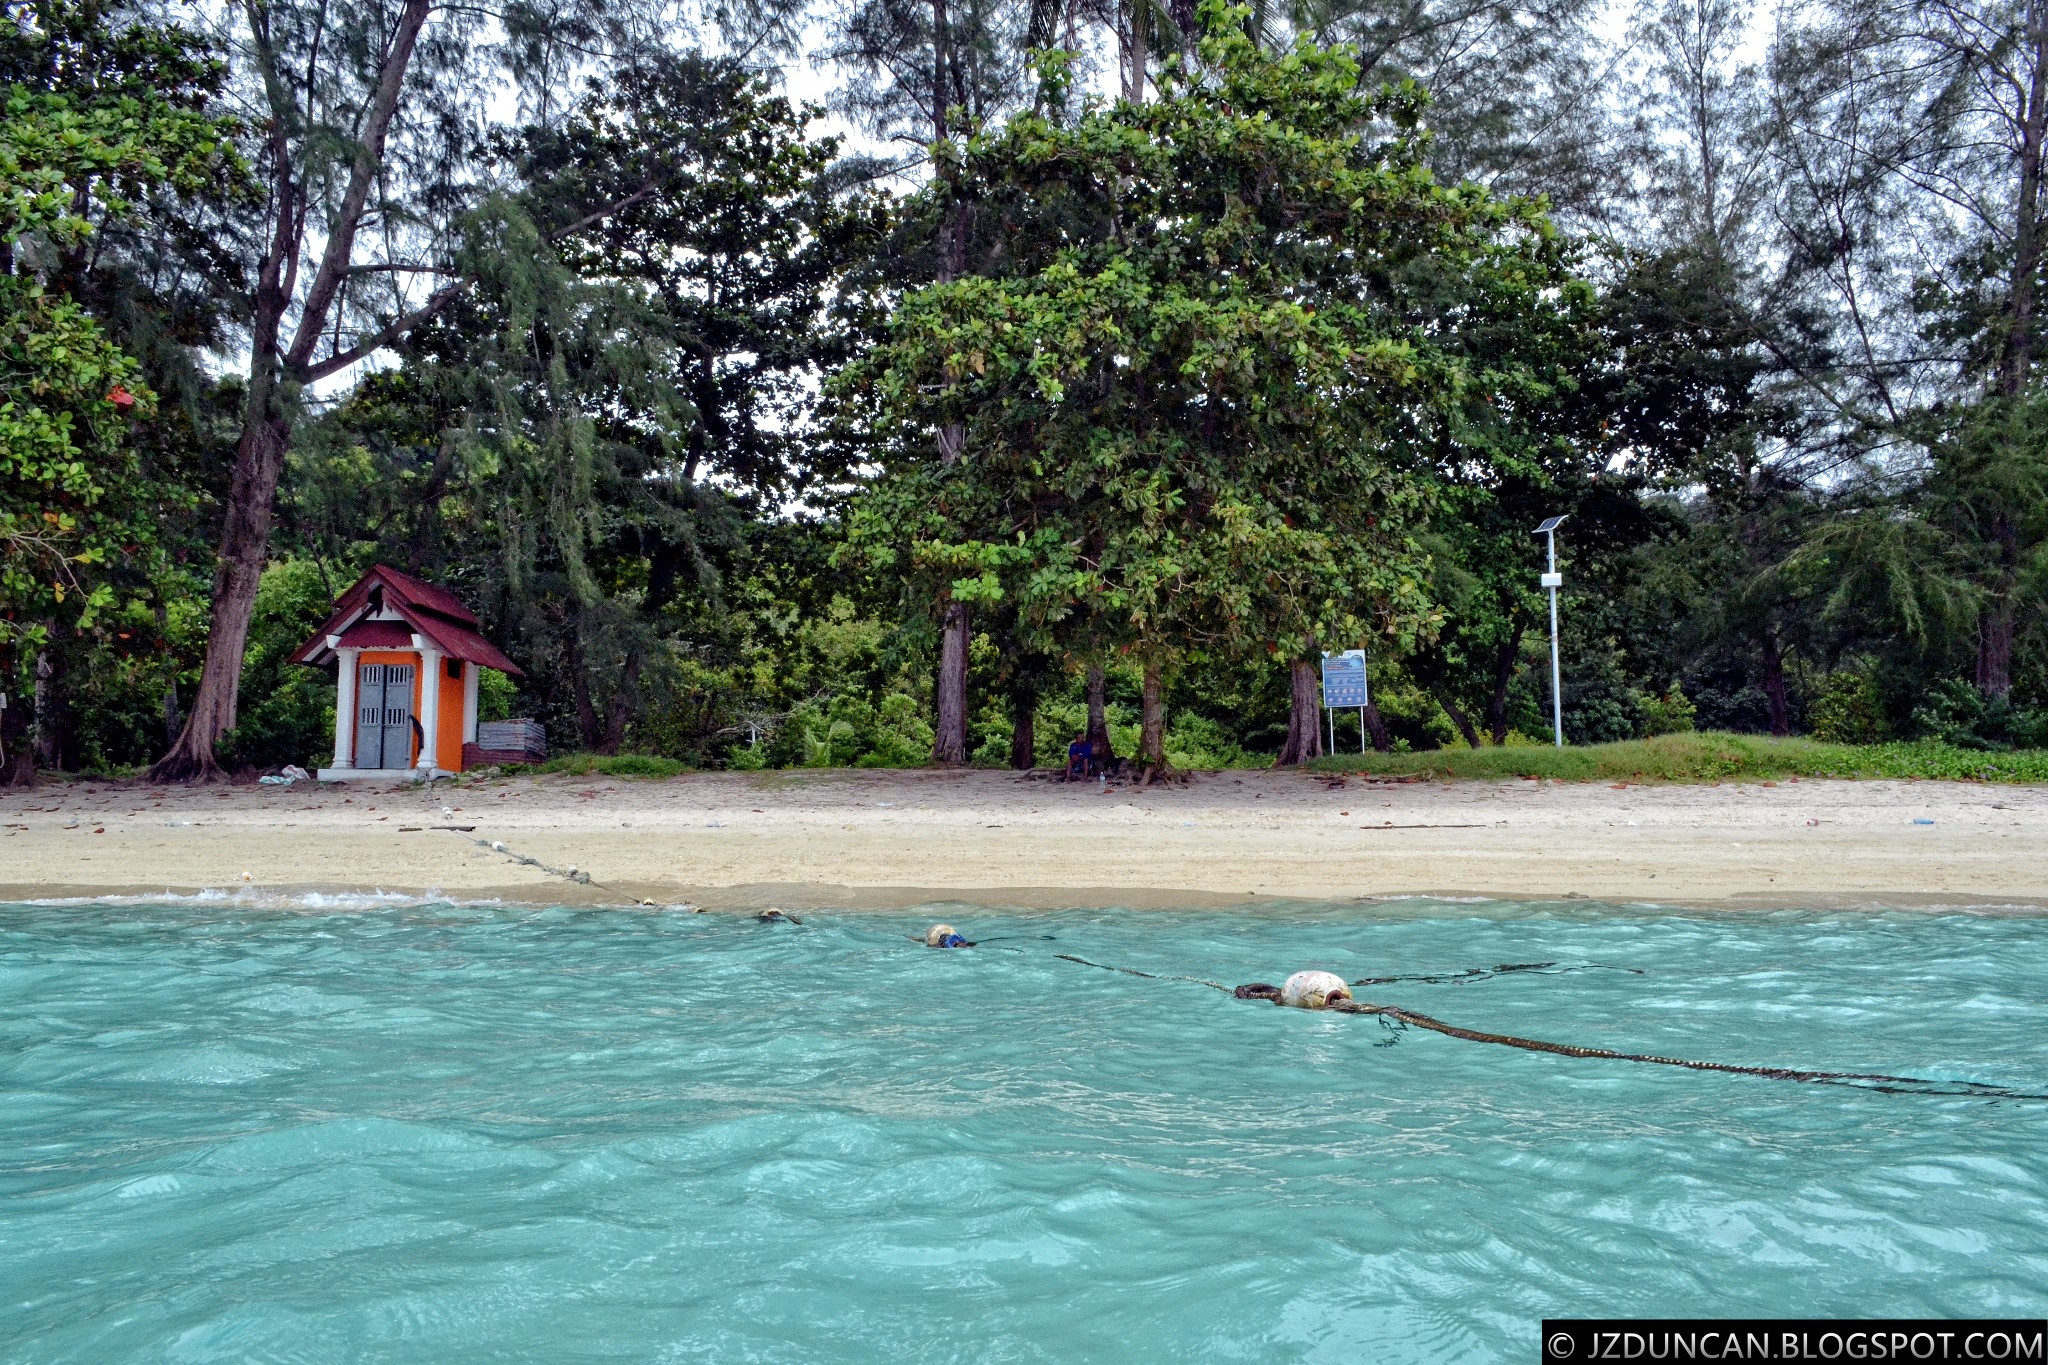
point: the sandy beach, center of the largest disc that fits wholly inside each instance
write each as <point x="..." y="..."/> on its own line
<point x="874" y="839"/>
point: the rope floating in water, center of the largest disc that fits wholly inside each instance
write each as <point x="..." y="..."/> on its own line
<point x="1504" y="969"/>
<point x="1132" y="971"/>
<point x="1861" y="1080"/>
<point x="1858" y="1080"/>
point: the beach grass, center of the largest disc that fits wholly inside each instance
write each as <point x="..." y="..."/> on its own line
<point x="608" y="765"/>
<point x="1708" y="757"/>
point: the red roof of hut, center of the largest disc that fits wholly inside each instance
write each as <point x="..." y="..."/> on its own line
<point x="435" y="615"/>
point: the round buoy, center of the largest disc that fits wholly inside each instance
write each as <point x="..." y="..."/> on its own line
<point x="1313" y="990"/>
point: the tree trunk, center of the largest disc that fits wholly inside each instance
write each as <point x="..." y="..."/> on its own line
<point x="49" y="710"/>
<point x="621" y="710"/>
<point x="942" y="32"/>
<point x="1458" y="718"/>
<point x="1135" y="58"/>
<point x="1098" y="718"/>
<point x="174" y="720"/>
<point x="266" y="425"/>
<point x="950" y="744"/>
<point x="1377" y="728"/>
<point x="17" y="752"/>
<point x="589" y="728"/>
<point x="2017" y="361"/>
<point x="1503" y="676"/>
<point x="1023" y="728"/>
<point x="1995" y="624"/>
<point x="1304" y="716"/>
<point x="1152" y="727"/>
<point x="244" y="546"/>
<point x="1994" y="648"/>
<point x="1774" y="686"/>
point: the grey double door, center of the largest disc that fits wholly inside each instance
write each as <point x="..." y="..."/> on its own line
<point x="384" y="715"/>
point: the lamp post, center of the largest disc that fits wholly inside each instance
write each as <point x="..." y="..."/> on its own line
<point x="1552" y="581"/>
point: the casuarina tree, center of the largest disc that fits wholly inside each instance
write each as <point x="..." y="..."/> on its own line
<point x="364" y="116"/>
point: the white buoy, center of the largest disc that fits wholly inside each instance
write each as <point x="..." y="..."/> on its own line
<point x="1313" y="990"/>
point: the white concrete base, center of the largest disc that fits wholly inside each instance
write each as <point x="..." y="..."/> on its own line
<point x="380" y="774"/>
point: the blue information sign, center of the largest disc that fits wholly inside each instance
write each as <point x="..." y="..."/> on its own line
<point x="1344" y="679"/>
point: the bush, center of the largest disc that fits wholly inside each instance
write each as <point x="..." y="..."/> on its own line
<point x="1950" y="712"/>
<point x="1849" y="710"/>
<point x="1670" y="714"/>
<point x="1742" y="708"/>
<point x="1193" y="740"/>
<point x="1601" y="710"/>
<point x="497" y="696"/>
<point x="1956" y="713"/>
<point x="851" y="732"/>
<point x="612" y="765"/>
<point x="1413" y="718"/>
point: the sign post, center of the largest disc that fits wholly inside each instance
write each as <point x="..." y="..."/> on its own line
<point x="1345" y="687"/>
<point x="1552" y="581"/>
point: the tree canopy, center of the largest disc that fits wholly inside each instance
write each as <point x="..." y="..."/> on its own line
<point x="1077" y="366"/>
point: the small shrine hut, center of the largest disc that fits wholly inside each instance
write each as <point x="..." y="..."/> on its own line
<point x="407" y="656"/>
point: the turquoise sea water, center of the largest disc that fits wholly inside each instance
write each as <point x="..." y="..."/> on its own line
<point x="436" y="1133"/>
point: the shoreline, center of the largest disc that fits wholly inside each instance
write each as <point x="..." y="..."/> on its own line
<point x="892" y="839"/>
<point x="824" y="899"/>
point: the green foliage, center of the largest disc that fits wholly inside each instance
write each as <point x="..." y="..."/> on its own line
<point x="587" y="444"/>
<point x="608" y="765"/>
<point x="1189" y="387"/>
<point x="497" y="696"/>
<point x="64" y="164"/>
<point x="287" y="712"/>
<point x="1220" y="431"/>
<point x="850" y="731"/>
<point x="1602" y="709"/>
<point x="1194" y="742"/>
<point x="104" y="131"/>
<point x="95" y="120"/>
<point x="1670" y="714"/>
<point x="1848" y="709"/>
<point x="1958" y="714"/>
<point x="1707" y="757"/>
<point x="67" y="506"/>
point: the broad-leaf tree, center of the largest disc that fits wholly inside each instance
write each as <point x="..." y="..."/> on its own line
<point x="1205" y="369"/>
<point x="96" y="122"/>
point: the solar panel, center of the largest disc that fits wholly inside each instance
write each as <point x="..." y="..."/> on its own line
<point x="1550" y="524"/>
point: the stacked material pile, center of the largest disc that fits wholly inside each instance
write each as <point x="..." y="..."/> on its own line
<point x="506" y="741"/>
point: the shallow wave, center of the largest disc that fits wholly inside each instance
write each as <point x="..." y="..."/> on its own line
<point x="264" y="898"/>
<point x="247" y="1130"/>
